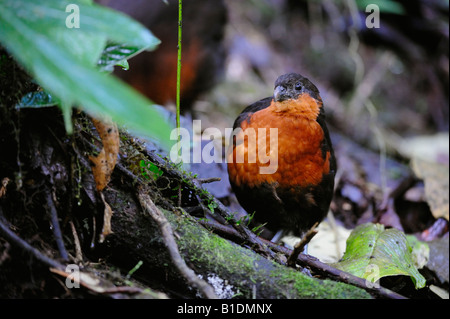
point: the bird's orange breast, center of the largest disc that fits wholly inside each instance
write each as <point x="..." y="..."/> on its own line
<point x="295" y="149"/>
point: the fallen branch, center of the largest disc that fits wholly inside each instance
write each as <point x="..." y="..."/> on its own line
<point x="95" y="284"/>
<point x="56" y="228"/>
<point x="171" y="244"/>
<point x="208" y="180"/>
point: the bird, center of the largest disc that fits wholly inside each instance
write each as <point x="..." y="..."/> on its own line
<point x="295" y="194"/>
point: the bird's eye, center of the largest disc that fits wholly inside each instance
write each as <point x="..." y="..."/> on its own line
<point x="298" y="86"/>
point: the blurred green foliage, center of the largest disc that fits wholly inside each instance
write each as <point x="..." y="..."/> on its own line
<point x="65" y="44"/>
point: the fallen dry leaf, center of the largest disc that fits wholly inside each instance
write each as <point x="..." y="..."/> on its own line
<point x="107" y="214"/>
<point x="431" y="148"/>
<point x="104" y="163"/>
<point x="5" y="182"/>
<point x="436" y="180"/>
<point x="103" y="166"/>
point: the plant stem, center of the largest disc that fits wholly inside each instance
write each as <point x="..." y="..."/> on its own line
<point x="180" y="25"/>
<point x="179" y="73"/>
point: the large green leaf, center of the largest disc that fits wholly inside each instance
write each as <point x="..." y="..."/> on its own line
<point x="374" y="252"/>
<point x="116" y="54"/>
<point x="37" y="100"/>
<point x="51" y="14"/>
<point x="64" y="61"/>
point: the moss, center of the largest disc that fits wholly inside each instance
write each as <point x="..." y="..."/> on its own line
<point x="308" y="287"/>
<point x="250" y="272"/>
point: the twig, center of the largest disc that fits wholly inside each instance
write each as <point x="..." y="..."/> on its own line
<point x="78" y="253"/>
<point x="3" y="185"/>
<point x="93" y="283"/>
<point x="328" y="271"/>
<point x="208" y="180"/>
<point x="222" y="230"/>
<point x="342" y="276"/>
<point x="367" y="83"/>
<point x="94" y="232"/>
<point x="179" y="194"/>
<point x="172" y="246"/>
<point x="55" y="223"/>
<point x="16" y="240"/>
<point x="301" y="245"/>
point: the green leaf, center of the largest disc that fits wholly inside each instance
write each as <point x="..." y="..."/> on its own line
<point x="149" y="167"/>
<point x="46" y="15"/>
<point x="63" y="61"/>
<point x="420" y="253"/>
<point x="36" y="100"/>
<point x="116" y="54"/>
<point x="374" y="252"/>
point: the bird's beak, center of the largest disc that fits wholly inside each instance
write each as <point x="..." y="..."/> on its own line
<point x="279" y="94"/>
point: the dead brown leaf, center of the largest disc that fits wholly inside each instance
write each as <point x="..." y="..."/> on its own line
<point x="104" y="163"/>
<point x="436" y="180"/>
<point x="5" y="182"/>
<point x="107" y="214"/>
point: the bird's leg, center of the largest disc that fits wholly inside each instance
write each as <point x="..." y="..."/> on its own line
<point x="276" y="238"/>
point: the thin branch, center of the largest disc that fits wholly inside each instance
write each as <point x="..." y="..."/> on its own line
<point x="301" y="245"/>
<point x="208" y="180"/>
<point x="76" y="240"/>
<point x="172" y="246"/>
<point x="56" y="228"/>
<point x="342" y="276"/>
<point x="92" y="282"/>
<point x="9" y="235"/>
<point x="221" y="230"/>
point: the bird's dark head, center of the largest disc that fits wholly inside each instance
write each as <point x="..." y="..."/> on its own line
<point x="291" y="86"/>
